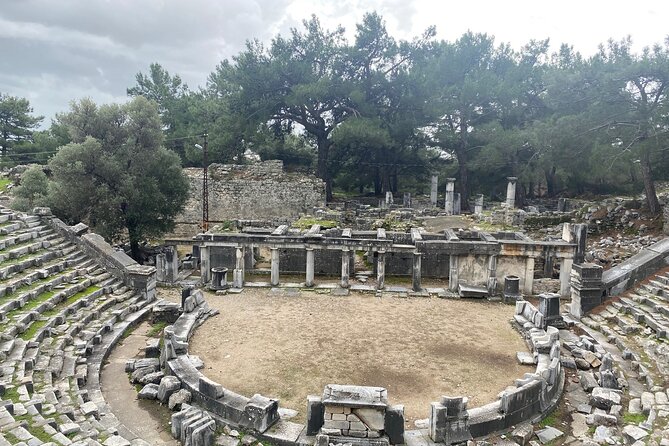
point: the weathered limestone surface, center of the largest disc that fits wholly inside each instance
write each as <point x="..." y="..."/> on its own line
<point x="255" y="191"/>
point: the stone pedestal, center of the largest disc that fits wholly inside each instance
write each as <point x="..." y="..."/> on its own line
<point x="448" y="201"/>
<point x="512" y="288"/>
<point x="309" y="280"/>
<point x="219" y="278"/>
<point x="511" y="192"/>
<point x="586" y="288"/>
<point x="142" y="279"/>
<point x="549" y="307"/>
<point x="381" y="269"/>
<point x="274" y="277"/>
<point x="434" y="190"/>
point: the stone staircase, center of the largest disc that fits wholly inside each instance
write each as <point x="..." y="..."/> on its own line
<point x="632" y="331"/>
<point x="60" y="315"/>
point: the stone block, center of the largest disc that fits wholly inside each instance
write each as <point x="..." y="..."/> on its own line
<point x="178" y="399"/>
<point x="261" y="412"/>
<point x="394" y="424"/>
<point x="334" y="424"/>
<point x="604" y="398"/>
<point x="210" y="389"/>
<point x="355" y="396"/>
<point x="148" y="392"/>
<point x="373" y="418"/>
<point x="168" y="386"/>
<point x="315" y="413"/>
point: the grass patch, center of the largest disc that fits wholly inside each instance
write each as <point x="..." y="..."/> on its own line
<point x="11" y="394"/>
<point x="156" y="329"/>
<point x="4" y="182"/>
<point x="33" y="329"/>
<point x="41" y="434"/>
<point x="550" y="420"/>
<point x="635" y="418"/>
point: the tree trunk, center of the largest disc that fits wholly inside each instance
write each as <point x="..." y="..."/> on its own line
<point x="322" y="171"/>
<point x="550" y="181"/>
<point x="463" y="173"/>
<point x="649" y="184"/>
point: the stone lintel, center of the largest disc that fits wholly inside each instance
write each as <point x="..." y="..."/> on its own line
<point x="355" y="396"/>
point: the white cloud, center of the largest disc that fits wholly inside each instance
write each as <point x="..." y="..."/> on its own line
<point x="54" y="51"/>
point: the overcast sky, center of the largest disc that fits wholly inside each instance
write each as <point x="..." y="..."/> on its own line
<point x="55" y="51"/>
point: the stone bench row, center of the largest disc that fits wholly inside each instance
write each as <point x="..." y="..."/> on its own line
<point x="257" y="413"/>
<point x="530" y="398"/>
<point x="35" y="261"/>
<point x="18" y="238"/>
<point x="67" y="370"/>
<point x="29" y="276"/>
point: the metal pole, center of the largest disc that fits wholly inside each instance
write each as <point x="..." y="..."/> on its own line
<point x="205" y="186"/>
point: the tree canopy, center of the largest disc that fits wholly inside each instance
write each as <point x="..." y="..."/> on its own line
<point x="115" y="174"/>
<point x="17" y="124"/>
<point x="373" y="113"/>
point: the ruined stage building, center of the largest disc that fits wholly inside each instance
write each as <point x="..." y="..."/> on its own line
<point x="470" y="260"/>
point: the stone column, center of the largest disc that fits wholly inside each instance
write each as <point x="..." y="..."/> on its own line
<point x="434" y="189"/>
<point x="345" y="261"/>
<point x="274" y="277"/>
<point x="238" y="273"/>
<point x="580" y="237"/>
<point x="389" y="198"/>
<point x="548" y="261"/>
<point x="310" y="267"/>
<point x="478" y="205"/>
<point x="456" y="204"/>
<point x="565" y="275"/>
<point x="381" y="269"/>
<point x="453" y="273"/>
<point x="205" y="262"/>
<point x="492" y="275"/>
<point x="511" y="192"/>
<point x="407" y="200"/>
<point x="416" y="271"/>
<point x="529" y="275"/>
<point x="448" y="201"/>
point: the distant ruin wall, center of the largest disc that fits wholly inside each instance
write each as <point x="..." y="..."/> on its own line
<point x="261" y="191"/>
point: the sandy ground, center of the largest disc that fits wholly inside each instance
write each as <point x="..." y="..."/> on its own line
<point x="419" y="349"/>
<point x="143" y="419"/>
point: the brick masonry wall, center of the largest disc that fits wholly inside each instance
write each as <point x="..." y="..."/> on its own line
<point x="261" y="191"/>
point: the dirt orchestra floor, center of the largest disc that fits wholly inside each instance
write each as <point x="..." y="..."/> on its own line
<point x="288" y="347"/>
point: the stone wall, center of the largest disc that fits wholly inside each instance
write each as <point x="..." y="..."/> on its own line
<point x="260" y="191"/>
<point x="139" y="277"/>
